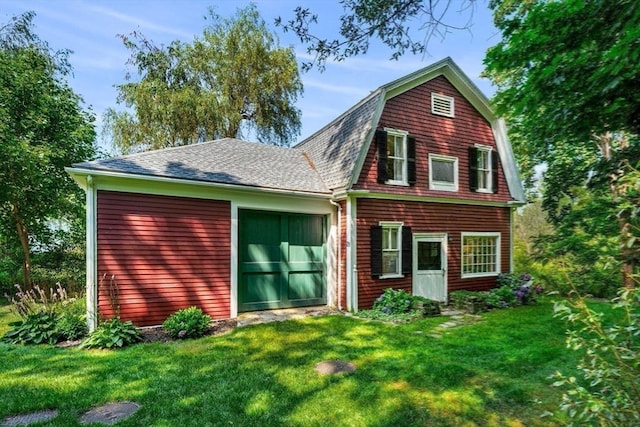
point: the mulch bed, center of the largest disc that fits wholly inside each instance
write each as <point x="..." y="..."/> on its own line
<point x="158" y="334"/>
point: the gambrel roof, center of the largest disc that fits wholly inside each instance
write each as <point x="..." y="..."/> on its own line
<point x="327" y="162"/>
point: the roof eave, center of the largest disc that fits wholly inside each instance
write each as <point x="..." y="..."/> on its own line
<point x="79" y="175"/>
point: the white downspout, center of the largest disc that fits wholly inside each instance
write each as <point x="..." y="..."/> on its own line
<point x="339" y="252"/>
<point x="91" y="254"/>
<point x="351" y="269"/>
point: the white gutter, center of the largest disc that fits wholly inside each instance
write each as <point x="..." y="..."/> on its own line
<point x="76" y="173"/>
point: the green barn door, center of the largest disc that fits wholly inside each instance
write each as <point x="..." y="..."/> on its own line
<point x="282" y="260"/>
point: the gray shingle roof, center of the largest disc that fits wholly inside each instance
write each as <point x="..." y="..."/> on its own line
<point x="227" y="161"/>
<point x="335" y="148"/>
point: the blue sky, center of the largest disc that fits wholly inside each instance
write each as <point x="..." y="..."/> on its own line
<point x="89" y="29"/>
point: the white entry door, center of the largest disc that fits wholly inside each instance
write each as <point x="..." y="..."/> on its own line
<point x="430" y="266"/>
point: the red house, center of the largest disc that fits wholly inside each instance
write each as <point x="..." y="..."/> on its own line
<point x="412" y="188"/>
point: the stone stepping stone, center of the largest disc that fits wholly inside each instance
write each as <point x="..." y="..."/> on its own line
<point x="110" y="413"/>
<point x="332" y="367"/>
<point x="31" y="418"/>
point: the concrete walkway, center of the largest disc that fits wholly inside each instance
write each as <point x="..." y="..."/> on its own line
<point x="256" y="317"/>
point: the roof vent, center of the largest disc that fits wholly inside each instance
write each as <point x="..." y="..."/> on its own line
<point x="442" y="105"/>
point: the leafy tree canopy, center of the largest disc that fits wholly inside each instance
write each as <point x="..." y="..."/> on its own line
<point x="389" y="21"/>
<point x="232" y="79"/>
<point x="567" y="76"/>
<point x="43" y="129"/>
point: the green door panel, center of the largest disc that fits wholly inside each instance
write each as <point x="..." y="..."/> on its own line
<point x="282" y="260"/>
<point x="305" y="285"/>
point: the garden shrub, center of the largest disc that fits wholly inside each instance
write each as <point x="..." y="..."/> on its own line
<point x="608" y="392"/>
<point x="399" y="306"/>
<point x="393" y="302"/>
<point x="34" y="328"/>
<point x="46" y="318"/>
<point x="113" y="333"/>
<point x="187" y="323"/>
<point x="501" y="297"/>
<point x="72" y="320"/>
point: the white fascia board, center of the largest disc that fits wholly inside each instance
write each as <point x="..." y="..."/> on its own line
<point x="508" y="160"/>
<point x="245" y="197"/>
<point x="366" y="194"/>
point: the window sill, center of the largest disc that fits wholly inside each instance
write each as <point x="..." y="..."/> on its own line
<point x="437" y="187"/>
<point x="478" y="275"/>
<point x="397" y="183"/>
<point x="484" y="191"/>
<point x="391" y="276"/>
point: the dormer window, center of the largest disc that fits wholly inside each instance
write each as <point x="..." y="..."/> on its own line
<point x="442" y="105"/>
<point x="396" y="157"/>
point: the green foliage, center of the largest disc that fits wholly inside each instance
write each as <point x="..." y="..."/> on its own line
<point x="389" y="21"/>
<point x="232" y="79"/>
<point x="399" y="306"/>
<point x="187" y="323"/>
<point x="72" y="319"/>
<point x="393" y="301"/>
<point x="46" y="318"/>
<point x="44" y="129"/>
<point x="112" y="333"/>
<point x="570" y="98"/>
<point x="501" y="297"/>
<point x="34" y="328"/>
<point x="607" y="392"/>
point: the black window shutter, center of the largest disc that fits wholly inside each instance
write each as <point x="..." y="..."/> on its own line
<point x="494" y="171"/>
<point x="411" y="159"/>
<point x="381" y="143"/>
<point x="376" y="251"/>
<point x="407" y="250"/>
<point x="473" y="168"/>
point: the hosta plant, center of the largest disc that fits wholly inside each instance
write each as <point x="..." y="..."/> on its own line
<point x="113" y="333"/>
<point x="189" y="322"/>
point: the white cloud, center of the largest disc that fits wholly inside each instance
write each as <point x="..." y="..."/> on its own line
<point x="142" y="23"/>
<point x="328" y="87"/>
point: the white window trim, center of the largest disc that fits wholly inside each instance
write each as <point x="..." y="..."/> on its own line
<point x="439" y="97"/>
<point x="405" y="170"/>
<point x="489" y="180"/>
<point x="398" y="225"/>
<point x="498" y="237"/>
<point x="439" y="185"/>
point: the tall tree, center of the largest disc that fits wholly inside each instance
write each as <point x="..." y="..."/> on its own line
<point x="43" y="128"/>
<point x="232" y="79"/>
<point x="389" y="21"/>
<point x="567" y="75"/>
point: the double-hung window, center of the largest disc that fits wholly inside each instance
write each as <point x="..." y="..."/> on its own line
<point x="391" y="254"/>
<point x="483" y="169"/>
<point x="391" y="249"/>
<point x="396" y="157"/>
<point x="480" y="254"/>
<point x="443" y="173"/>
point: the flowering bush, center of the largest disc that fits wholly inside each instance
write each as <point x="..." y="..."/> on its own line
<point x="522" y="286"/>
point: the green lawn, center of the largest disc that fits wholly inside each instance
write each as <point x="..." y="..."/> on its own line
<point x="492" y="373"/>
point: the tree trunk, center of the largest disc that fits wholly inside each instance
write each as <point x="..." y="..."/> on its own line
<point x="23" y="235"/>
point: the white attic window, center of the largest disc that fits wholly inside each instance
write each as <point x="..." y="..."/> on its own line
<point x="442" y="105"/>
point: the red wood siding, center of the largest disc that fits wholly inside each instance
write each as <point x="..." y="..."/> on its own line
<point x="166" y="253"/>
<point x="411" y="112"/>
<point x="428" y="218"/>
